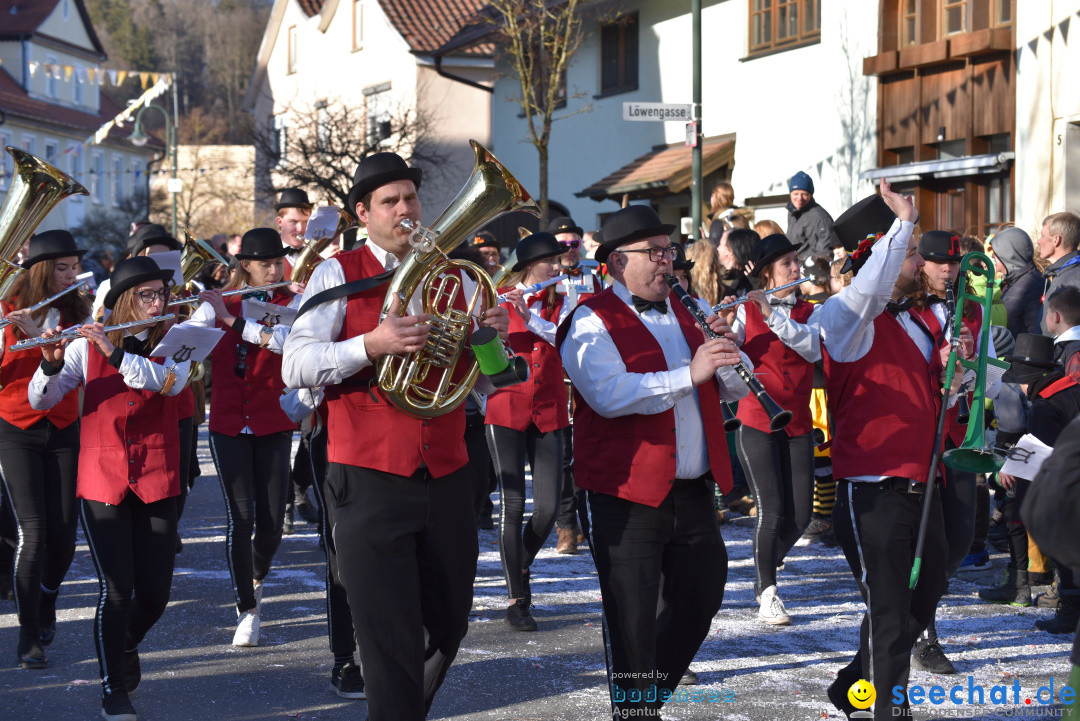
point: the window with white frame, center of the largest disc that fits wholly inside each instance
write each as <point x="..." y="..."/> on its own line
<point x="357" y="24"/>
<point x="97" y="177"/>
<point x="52" y="148"/>
<point x="52" y="76"/>
<point x="77" y="84"/>
<point x="117" y="178"/>
<point x="67" y="9"/>
<point x="29" y="144"/>
<point x="7" y="163"/>
<point x="75" y="165"/>
<point x="294" y="49"/>
<point x="378" y="113"/>
<point x="279" y="141"/>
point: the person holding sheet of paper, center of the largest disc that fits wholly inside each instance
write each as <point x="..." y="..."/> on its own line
<point x="129" y="464"/>
<point x="250" y="436"/>
<point x="1055" y="400"/>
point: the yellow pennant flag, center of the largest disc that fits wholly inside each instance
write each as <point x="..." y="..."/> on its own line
<point x="144" y="78"/>
<point x="121" y="76"/>
<point x="68" y="70"/>
<point x="91" y="75"/>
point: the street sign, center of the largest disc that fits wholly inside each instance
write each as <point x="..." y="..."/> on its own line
<point x="175" y="185"/>
<point x="662" y="112"/>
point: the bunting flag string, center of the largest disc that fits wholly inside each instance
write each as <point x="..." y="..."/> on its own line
<point x="92" y="76"/>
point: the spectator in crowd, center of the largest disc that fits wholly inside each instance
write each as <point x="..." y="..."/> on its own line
<point x="734" y="255"/>
<point x="816" y="268"/>
<point x="1063" y="321"/>
<point x="1057" y="243"/>
<point x="234" y="244"/>
<point x="706" y="271"/>
<point x="1022" y="286"/>
<point x="765" y="228"/>
<point x="590" y="243"/>
<point x="721" y="205"/>
<point x="809" y="225"/>
<point x="839" y="275"/>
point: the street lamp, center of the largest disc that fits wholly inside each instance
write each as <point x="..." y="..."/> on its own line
<point x="138" y="139"/>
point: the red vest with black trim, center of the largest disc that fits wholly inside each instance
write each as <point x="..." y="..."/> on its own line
<point x="254" y="400"/>
<point x="542" y="398"/>
<point x="786" y="375"/>
<point x="365" y="430"/>
<point x="633" y="457"/>
<point x="955" y="430"/>
<point x="130" y="439"/>
<point x="885" y="406"/>
<point x="16" y="370"/>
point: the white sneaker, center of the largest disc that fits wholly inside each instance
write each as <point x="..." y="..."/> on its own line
<point x="247" y="629"/>
<point x="772" y="608"/>
<point x="258" y="587"/>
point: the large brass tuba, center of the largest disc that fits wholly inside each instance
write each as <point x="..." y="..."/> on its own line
<point x="196" y="254"/>
<point x="427" y="383"/>
<point x="311" y="255"/>
<point x="35" y="190"/>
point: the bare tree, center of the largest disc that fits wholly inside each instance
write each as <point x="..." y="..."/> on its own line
<point x="856" y="124"/>
<point x="325" y="141"/>
<point x="538" y="39"/>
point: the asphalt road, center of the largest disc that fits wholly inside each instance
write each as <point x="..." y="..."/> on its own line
<point x="190" y="670"/>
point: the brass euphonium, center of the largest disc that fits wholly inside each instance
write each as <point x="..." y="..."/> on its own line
<point x="35" y="190"/>
<point x="196" y="254"/>
<point x="425" y="383"/>
<point x="311" y="255"/>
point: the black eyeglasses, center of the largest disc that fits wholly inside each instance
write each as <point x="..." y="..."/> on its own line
<point x="148" y="296"/>
<point x="656" y="255"/>
<point x="241" y="354"/>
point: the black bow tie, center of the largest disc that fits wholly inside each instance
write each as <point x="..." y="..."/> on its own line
<point x="897" y="308"/>
<point x="932" y="299"/>
<point x="642" y="305"/>
<point x="788" y="300"/>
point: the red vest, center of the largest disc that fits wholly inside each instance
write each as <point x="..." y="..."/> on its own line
<point x="16" y="370"/>
<point x="130" y="439"/>
<point x="633" y="457"/>
<point x="885" y="406"/>
<point x="253" y="400"/>
<point x="365" y="429"/>
<point x="542" y="398"/>
<point x="956" y="431"/>
<point x="786" y="375"/>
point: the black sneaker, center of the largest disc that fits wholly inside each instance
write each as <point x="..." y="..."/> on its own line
<point x="117" y="706"/>
<point x="347" y="681"/>
<point x="519" y="618"/>
<point x="1064" y="621"/>
<point x="30" y="652"/>
<point x="287" y="525"/>
<point x="838" y="693"/>
<point x="47" y="617"/>
<point x="305" y="507"/>
<point x="928" y="656"/>
<point x="820" y="531"/>
<point x="484" y="523"/>
<point x="131" y="670"/>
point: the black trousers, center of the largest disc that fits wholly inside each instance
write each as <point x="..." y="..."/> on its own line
<point x="519" y="542"/>
<point x="479" y="461"/>
<point x="133" y="545"/>
<point x="407" y="554"/>
<point x="39" y="466"/>
<point x="254" y="474"/>
<point x="672" y="555"/>
<point x="877" y="527"/>
<point x="780" y="469"/>
<point x="572" y="508"/>
<point x="339" y="624"/>
<point x="187" y="458"/>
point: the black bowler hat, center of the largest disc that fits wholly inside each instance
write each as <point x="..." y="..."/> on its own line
<point x="564" y="225"/>
<point x="769" y="249"/>
<point x="869" y="216"/>
<point x="485" y="239"/>
<point x="633" y="222"/>
<point x="133" y="272"/>
<point x="1031" y="359"/>
<point x="537" y="246"/>
<point x="261" y="244"/>
<point x="293" y="198"/>
<point x="939" y="246"/>
<point x="151" y="234"/>
<point x="377" y="170"/>
<point x="681" y="262"/>
<point x="51" y="244"/>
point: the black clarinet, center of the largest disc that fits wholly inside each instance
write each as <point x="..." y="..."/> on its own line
<point x="778" y="417"/>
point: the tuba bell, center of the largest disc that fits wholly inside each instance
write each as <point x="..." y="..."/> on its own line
<point x="35" y="190"/>
<point x="196" y="255"/>
<point x="428" y="383"/>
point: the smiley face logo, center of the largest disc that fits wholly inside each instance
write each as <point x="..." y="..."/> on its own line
<point x="862" y="694"/>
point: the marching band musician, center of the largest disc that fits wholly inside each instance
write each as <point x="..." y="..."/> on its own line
<point x="648" y="409"/>
<point x="527" y="421"/>
<point x="883" y="374"/>
<point x="39" y="449"/>
<point x="250" y="435"/>
<point x="129" y="423"/>
<point x="399" y="487"/>
<point x="772" y="330"/>
<point x="293" y="209"/>
<point x="488" y="247"/>
<point x="941" y="254"/>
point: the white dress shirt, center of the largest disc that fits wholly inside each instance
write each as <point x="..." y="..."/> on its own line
<point x="803" y="338"/>
<point x="205" y="317"/>
<point x="546" y="329"/>
<point x="139" y="373"/>
<point x="596" y="368"/>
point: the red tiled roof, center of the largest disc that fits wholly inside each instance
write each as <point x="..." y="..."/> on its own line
<point x="15" y="102"/>
<point x="663" y="171"/>
<point x="427" y="24"/>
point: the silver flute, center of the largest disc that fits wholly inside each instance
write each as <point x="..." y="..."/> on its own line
<point x="73" y="332"/>
<point x="536" y="287"/>
<point x="240" y="291"/>
<point x="41" y="304"/>
<point x="742" y="299"/>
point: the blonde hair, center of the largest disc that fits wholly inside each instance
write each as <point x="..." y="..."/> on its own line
<point x="766" y="228"/>
<point x="705" y="275"/>
<point x="125" y="310"/>
<point x="723" y="197"/>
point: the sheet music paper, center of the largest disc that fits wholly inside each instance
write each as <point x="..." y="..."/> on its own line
<point x="191" y="343"/>
<point x="170" y="260"/>
<point x="91" y="281"/>
<point x="268" y="314"/>
<point x="1026" y="457"/>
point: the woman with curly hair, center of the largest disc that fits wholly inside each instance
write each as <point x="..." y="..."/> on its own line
<point x="705" y="273"/>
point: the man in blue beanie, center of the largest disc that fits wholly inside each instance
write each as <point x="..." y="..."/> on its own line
<point x="809" y="225"/>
